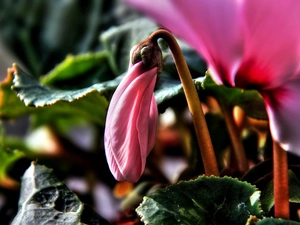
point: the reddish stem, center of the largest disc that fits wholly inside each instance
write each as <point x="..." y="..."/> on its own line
<point x="235" y="136"/>
<point x="281" y="182"/>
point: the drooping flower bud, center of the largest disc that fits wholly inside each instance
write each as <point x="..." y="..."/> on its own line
<point x="131" y="121"/>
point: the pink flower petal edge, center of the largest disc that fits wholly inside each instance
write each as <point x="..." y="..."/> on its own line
<point x="284" y="112"/>
<point x="131" y="124"/>
<point x="247" y="44"/>
<point x="212" y="27"/>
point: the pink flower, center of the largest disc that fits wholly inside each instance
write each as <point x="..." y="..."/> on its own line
<point x="131" y="123"/>
<point x="247" y="44"/>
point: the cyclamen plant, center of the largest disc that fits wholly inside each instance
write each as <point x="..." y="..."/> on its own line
<point x="247" y="44"/>
<point x="250" y="45"/>
<point x="108" y="139"/>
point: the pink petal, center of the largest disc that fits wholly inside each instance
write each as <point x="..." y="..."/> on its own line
<point x="272" y="43"/>
<point x="212" y="27"/>
<point x="246" y="43"/>
<point x="131" y="124"/>
<point x="284" y="115"/>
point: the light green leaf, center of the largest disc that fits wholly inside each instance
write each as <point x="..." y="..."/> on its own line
<point x="88" y="102"/>
<point x="7" y="158"/>
<point x="249" y="100"/>
<point x="11" y="106"/>
<point x="78" y="66"/>
<point x="206" y="200"/>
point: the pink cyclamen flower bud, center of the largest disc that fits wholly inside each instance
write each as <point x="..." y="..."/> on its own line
<point x="247" y="44"/>
<point x="131" y="123"/>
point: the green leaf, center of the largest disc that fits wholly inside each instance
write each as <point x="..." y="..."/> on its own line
<point x="46" y="200"/>
<point x="7" y="158"/>
<point x="88" y="102"/>
<point x="135" y="197"/>
<point x="169" y="95"/>
<point x="249" y="100"/>
<point x="119" y="40"/>
<point x="273" y="221"/>
<point x="50" y="30"/>
<point x="79" y="66"/>
<point x="206" y="200"/>
<point x="11" y="106"/>
<point x="267" y="197"/>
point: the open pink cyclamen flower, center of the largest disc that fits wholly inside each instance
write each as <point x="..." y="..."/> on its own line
<point x="247" y="44"/>
<point x="131" y="123"/>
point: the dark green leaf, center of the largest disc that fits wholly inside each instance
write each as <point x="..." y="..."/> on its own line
<point x="168" y="95"/>
<point x="171" y="92"/>
<point x="267" y="197"/>
<point x="273" y="221"/>
<point x="42" y="33"/>
<point x="120" y="39"/>
<point x="206" y="200"/>
<point x="136" y="195"/>
<point x="46" y="200"/>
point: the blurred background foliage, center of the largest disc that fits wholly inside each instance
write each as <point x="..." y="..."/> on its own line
<point x="66" y="45"/>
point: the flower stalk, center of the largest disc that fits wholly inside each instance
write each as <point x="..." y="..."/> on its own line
<point x="236" y="142"/>
<point x="193" y="101"/>
<point x="281" y="182"/>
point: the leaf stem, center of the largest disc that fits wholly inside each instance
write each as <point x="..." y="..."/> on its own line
<point x="281" y="182"/>
<point x="237" y="145"/>
<point x="193" y="101"/>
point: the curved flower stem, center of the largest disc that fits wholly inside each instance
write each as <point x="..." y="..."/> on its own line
<point x="193" y="101"/>
<point x="237" y="145"/>
<point x="281" y="182"/>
